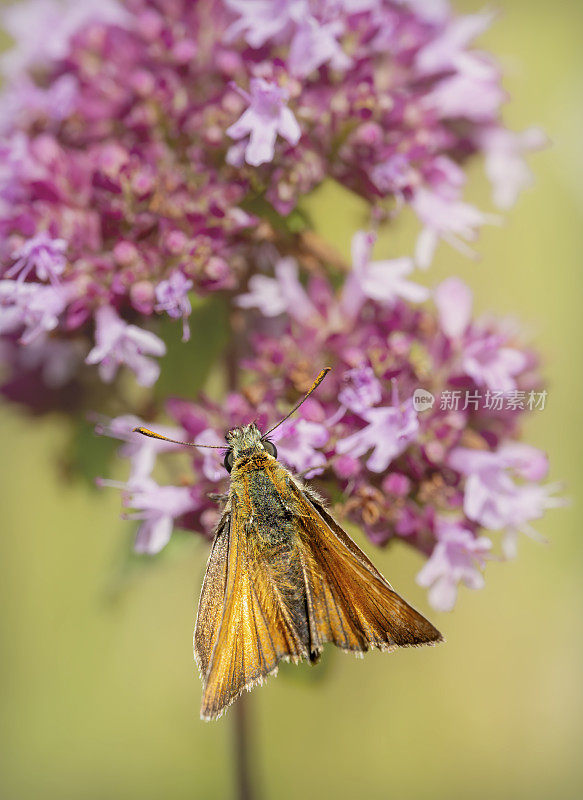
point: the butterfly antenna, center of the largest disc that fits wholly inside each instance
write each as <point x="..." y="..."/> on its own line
<point x="312" y="388"/>
<point x="154" y="435"/>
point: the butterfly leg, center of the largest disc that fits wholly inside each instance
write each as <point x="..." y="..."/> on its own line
<point x="220" y="498"/>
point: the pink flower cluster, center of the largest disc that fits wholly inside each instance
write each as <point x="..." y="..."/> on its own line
<point x="149" y="150"/>
<point x="434" y="478"/>
<point x="147" y="147"/>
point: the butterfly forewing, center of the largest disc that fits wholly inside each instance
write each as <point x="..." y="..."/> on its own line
<point x="351" y="604"/>
<point x="257" y="629"/>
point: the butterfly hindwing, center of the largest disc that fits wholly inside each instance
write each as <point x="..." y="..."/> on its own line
<point x="211" y="605"/>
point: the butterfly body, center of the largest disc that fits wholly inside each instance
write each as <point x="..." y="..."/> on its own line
<point x="283" y="579"/>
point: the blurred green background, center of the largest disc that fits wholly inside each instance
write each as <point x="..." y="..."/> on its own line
<point x="99" y="694"/>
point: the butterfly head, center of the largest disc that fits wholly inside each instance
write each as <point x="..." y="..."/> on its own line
<point x="246" y="442"/>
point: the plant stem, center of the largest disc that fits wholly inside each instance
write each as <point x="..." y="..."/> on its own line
<point x="245" y="790"/>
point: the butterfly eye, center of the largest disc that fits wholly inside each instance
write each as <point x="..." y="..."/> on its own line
<point x="270" y="447"/>
<point x="228" y="460"/>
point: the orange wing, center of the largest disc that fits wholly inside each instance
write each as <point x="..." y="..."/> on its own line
<point x="257" y="629"/>
<point x="349" y="602"/>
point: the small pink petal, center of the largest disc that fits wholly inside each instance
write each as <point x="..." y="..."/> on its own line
<point x="453" y="299"/>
